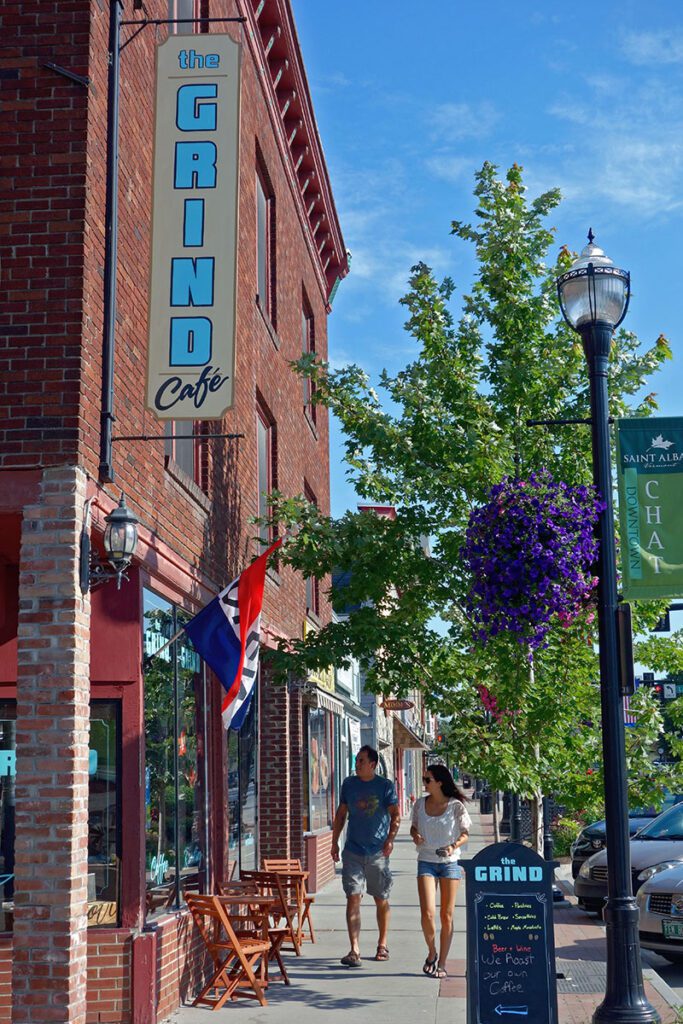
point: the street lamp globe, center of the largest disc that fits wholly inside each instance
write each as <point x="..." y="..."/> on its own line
<point x="120" y="536"/>
<point x="593" y="291"/>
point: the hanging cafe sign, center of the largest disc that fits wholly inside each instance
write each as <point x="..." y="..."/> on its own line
<point x="191" y="346"/>
<point x="650" y="473"/>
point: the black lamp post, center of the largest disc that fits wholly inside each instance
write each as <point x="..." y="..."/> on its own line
<point x="594" y="297"/>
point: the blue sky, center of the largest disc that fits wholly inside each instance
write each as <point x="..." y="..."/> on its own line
<point x="412" y="98"/>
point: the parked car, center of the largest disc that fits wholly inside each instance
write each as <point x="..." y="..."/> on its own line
<point x="660" y="902"/>
<point x="657" y="846"/>
<point x="593" y="837"/>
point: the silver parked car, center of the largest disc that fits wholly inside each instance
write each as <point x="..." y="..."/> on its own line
<point x="660" y="902"/>
<point x="657" y="846"/>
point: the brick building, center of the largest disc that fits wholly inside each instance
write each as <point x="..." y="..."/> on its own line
<point x="118" y="785"/>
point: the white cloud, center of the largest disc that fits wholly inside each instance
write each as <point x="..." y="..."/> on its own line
<point x="452" y="121"/>
<point x="451" y="168"/>
<point x="653" y="48"/>
<point x="633" y="160"/>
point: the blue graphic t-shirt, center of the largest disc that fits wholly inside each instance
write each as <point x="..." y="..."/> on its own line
<point x="367" y="803"/>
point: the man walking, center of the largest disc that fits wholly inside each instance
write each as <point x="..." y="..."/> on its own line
<point x="371" y="804"/>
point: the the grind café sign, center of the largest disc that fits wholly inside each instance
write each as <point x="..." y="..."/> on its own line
<point x="510" y="943"/>
<point x="191" y="347"/>
<point x="650" y="472"/>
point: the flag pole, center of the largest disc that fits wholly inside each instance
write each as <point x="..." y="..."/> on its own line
<point x="149" y="658"/>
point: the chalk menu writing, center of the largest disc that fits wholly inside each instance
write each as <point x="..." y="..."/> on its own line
<point x="511" y="961"/>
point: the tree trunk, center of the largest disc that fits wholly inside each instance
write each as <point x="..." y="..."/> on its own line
<point x="496" y="820"/>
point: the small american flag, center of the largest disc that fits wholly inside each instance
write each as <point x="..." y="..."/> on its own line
<point x="629" y="717"/>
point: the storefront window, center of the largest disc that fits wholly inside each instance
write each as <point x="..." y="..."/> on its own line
<point x="175" y="841"/>
<point x="104" y="842"/>
<point x="104" y="792"/>
<point x="8" y="725"/>
<point x="242" y="785"/>
<point x="320" y="794"/>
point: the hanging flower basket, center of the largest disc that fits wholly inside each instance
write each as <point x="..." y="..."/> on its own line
<point x="530" y="551"/>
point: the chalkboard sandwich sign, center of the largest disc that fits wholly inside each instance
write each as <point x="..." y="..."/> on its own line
<point x="510" y="941"/>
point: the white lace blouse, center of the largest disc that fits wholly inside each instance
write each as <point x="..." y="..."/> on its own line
<point x="441" y="830"/>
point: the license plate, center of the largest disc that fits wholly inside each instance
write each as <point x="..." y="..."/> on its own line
<point x="672" y="929"/>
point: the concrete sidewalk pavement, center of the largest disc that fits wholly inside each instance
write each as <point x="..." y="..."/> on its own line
<point x="396" y="990"/>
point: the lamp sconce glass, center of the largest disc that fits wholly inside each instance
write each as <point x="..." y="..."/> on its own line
<point x="593" y="291"/>
<point x="120" y="541"/>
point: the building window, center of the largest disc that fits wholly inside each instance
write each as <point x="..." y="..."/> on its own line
<point x="265" y="245"/>
<point x="319" y="776"/>
<point x="242" y="792"/>
<point x="176" y="842"/>
<point x="182" y="9"/>
<point x="104" y="813"/>
<point x="266" y="467"/>
<point x="312" y="585"/>
<point x="308" y="348"/>
<point x="187" y="451"/>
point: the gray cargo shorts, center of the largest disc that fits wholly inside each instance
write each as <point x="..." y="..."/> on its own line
<point x="373" y="873"/>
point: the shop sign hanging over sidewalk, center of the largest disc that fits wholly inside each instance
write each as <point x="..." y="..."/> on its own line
<point x="650" y="475"/>
<point x="510" y="938"/>
<point x="191" y="347"/>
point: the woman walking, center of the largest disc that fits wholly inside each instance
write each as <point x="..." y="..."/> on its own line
<point x="440" y="826"/>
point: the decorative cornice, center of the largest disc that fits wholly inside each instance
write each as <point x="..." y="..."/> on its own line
<point x="274" y="43"/>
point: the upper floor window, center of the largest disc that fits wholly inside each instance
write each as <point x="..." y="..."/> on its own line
<point x="180" y="9"/>
<point x="312" y="585"/>
<point x="265" y="245"/>
<point x="308" y="348"/>
<point x="187" y="450"/>
<point x="266" y="467"/>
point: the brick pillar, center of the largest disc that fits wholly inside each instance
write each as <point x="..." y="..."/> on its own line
<point x="275" y="787"/>
<point x="53" y="721"/>
<point x="297" y="756"/>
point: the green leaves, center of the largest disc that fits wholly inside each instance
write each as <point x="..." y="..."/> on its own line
<point x="431" y="440"/>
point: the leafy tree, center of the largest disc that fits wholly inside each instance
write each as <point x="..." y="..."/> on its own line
<point x="451" y="424"/>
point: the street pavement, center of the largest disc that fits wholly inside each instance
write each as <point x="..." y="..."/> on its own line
<point x="396" y="990"/>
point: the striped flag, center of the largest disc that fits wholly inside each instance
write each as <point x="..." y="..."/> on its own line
<point x="227" y="634"/>
<point x="629" y="717"/>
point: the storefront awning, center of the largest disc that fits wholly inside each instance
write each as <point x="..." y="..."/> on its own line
<point x="405" y="737"/>
<point x="317" y="698"/>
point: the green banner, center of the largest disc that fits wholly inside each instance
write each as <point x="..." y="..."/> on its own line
<point x="650" y="474"/>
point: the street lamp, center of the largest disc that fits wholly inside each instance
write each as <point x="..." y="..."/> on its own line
<point x="594" y="297"/>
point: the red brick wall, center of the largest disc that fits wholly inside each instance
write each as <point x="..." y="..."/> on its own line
<point x="109" y="976"/>
<point x="181" y="963"/>
<point x="52" y="190"/>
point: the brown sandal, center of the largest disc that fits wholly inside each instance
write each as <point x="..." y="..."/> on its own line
<point x="382" y="953"/>
<point x="351" y="960"/>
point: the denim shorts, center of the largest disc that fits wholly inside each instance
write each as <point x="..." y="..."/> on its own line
<point x="444" y="869"/>
<point x="373" y="873"/>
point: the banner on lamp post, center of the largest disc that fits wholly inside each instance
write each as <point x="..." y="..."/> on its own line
<point x="191" y="344"/>
<point x="650" y="477"/>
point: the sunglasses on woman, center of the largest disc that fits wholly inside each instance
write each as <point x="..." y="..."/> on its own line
<point x="427" y="779"/>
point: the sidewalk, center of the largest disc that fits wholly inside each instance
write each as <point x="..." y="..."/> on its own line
<point x="396" y="990"/>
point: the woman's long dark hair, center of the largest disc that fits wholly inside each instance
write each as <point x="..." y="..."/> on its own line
<point x="448" y="787"/>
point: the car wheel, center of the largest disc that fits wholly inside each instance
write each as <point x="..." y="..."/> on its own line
<point x="590" y="907"/>
<point x="673" y="958"/>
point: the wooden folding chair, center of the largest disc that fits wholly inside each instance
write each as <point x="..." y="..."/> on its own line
<point x="233" y="955"/>
<point x="290" y="864"/>
<point x="287" y="903"/>
<point x="256" y="912"/>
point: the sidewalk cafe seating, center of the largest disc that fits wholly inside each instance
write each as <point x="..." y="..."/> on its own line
<point x="254" y="914"/>
<point x="285" y="887"/>
<point x="292" y="864"/>
<point x="234" y="952"/>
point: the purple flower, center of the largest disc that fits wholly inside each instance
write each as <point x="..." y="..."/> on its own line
<point x="529" y="552"/>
